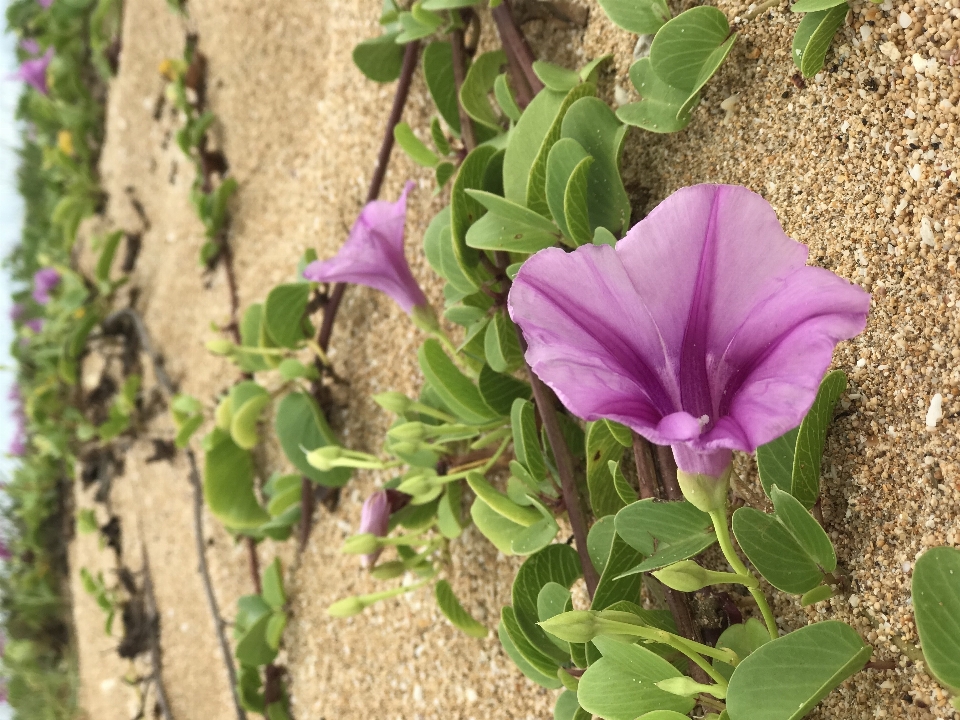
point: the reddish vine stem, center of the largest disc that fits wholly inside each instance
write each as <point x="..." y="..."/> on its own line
<point x="546" y="403"/>
<point x="410" y="56"/>
<point x="519" y="55"/>
<point x="332" y="305"/>
<point x="653" y="470"/>
<point x="467" y="135"/>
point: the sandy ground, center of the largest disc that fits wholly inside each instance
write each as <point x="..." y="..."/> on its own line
<point x="859" y="164"/>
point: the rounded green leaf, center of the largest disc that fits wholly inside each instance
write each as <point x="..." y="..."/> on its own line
<point x="501" y="346"/>
<point x="743" y="639"/>
<point x="413" y="146"/>
<point x="804" y="6"/>
<point x="273" y="593"/>
<point x="685" y="48"/>
<point x="456" y="390"/>
<point x="936" y="597"/>
<point x="438" y="72"/>
<point x="787" y="677"/>
<point x="283" y="314"/>
<point x="477" y="86"/>
<point x="495" y="527"/>
<point x="659" y="110"/>
<point x="775" y="552"/>
<point x="300" y="424"/>
<point x="643" y="17"/>
<point x="253" y="648"/>
<point x="228" y="485"/>
<point x="243" y="423"/>
<point x="274" y="629"/>
<point x="555" y="77"/>
<point x="454" y="612"/>
<point x="512" y="640"/>
<point x="813" y="36"/>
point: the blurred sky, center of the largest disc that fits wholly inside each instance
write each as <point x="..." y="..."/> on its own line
<point x="11" y="217"/>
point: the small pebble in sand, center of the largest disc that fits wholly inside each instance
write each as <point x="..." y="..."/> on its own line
<point x="889" y="49"/>
<point x="904" y="20"/>
<point x="935" y="412"/>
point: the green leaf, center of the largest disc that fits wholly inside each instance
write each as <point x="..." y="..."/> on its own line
<point x="643" y="17"/>
<point x="439" y="249"/>
<point x="273" y="593"/>
<point x="535" y="537"/>
<point x="591" y="71"/>
<point x="614" y="586"/>
<point x="448" y="511"/>
<point x="440" y="141"/>
<point x="813" y="36"/>
<point x="248" y="399"/>
<point x="293" y="369"/>
<point x="511" y="212"/>
<point x="278" y="710"/>
<point x="556" y="77"/>
<point x="936" y="598"/>
<point x="787" y="677"/>
<point x="600" y="541"/>
<point x="86" y="521"/>
<point x="275" y="628"/>
<point x="501" y="346"/>
<point x="665" y="531"/>
<point x="743" y="639"/>
<point x="448" y="4"/>
<point x="575" y="203"/>
<point x="464" y="210"/>
<point x="775" y="462"/>
<point x="564" y="157"/>
<point x="253" y="648"/>
<point x="555" y="563"/>
<point x="624" y="489"/>
<point x="500" y="503"/>
<point x="438" y="72"/>
<point x="283" y="314"/>
<point x="592" y="123"/>
<point x="512" y="639"/>
<point x="248" y="689"/>
<point x="804" y="528"/>
<point x="228" y="485"/>
<point x="417" y="24"/>
<point x="499" y="391"/>
<point x="477" y="86"/>
<point x="805" y="6"/>
<point x="107" y="253"/>
<point x="774" y="551"/>
<point x="299" y="424"/>
<point x="250" y="337"/>
<point x="524" y="143"/>
<point x="454" y="612"/>
<point x="602" y="447"/>
<point x="661" y="108"/>
<point x="491" y="232"/>
<point x="688" y="49"/>
<point x="536" y="186"/>
<point x="444" y="171"/>
<point x="526" y="439"/>
<point x="494" y="526"/>
<point x="621" y="685"/>
<point x="505" y="99"/>
<point x="413" y="146"/>
<point x="282" y="501"/>
<point x="455" y="389"/>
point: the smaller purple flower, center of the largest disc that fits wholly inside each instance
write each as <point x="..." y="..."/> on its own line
<point x="36" y="325"/>
<point x="17" y="311"/>
<point x="5" y="553"/>
<point x="31" y="46"/>
<point x="374" y="519"/>
<point x="373" y="255"/>
<point x="34" y="72"/>
<point x="45" y="281"/>
<point x="45" y="3"/>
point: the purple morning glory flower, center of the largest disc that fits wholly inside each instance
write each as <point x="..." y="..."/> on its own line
<point x="374" y="519"/>
<point x="703" y="329"/>
<point x="45" y="281"/>
<point x="34" y="72"/>
<point x="373" y="255"/>
<point x="45" y="3"/>
<point x="36" y="324"/>
<point x="16" y="311"/>
<point x="31" y="46"/>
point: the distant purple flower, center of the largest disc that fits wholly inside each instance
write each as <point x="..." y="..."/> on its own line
<point x="34" y="72"/>
<point x="44" y="3"/>
<point x="31" y="46"/>
<point x="45" y="281"/>
<point x="5" y="553"/>
<point x="373" y="255"/>
<point x="17" y="311"/>
<point x="703" y="329"/>
<point x="36" y="324"/>
<point x="374" y="519"/>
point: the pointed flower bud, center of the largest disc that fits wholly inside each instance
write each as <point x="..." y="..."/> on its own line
<point x="323" y="458"/>
<point x="687" y="687"/>
<point x="362" y="544"/>
<point x="394" y="402"/>
<point x="374" y="520"/>
<point x="347" y="607"/>
<point x="577" y="626"/>
<point x="411" y="431"/>
<point x="688" y="576"/>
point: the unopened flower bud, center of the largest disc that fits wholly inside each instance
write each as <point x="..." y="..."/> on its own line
<point x="395" y="402"/>
<point x="688" y="576"/>
<point x="577" y="626"/>
<point x="220" y="346"/>
<point x="687" y="687"/>
<point x="346" y="608"/>
<point x="323" y="458"/>
<point x="388" y="570"/>
<point x="411" y="431"/>
<point x="374" y="521"/>
<point x="362" y="544"/>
